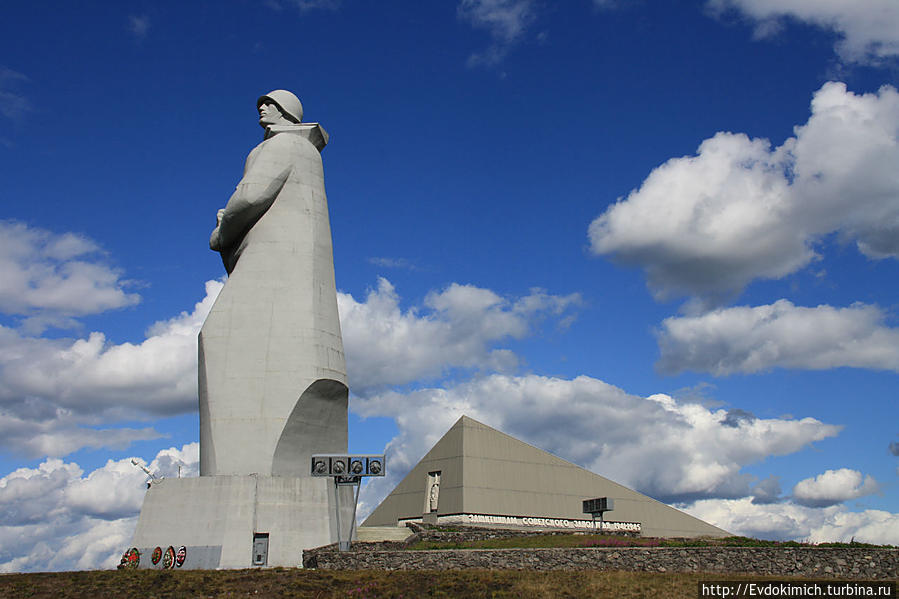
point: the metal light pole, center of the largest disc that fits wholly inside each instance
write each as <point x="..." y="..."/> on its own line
<point x="347" y="470"/>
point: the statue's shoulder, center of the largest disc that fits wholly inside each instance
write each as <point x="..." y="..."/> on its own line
<point x="316" y="134"/>
<point x="285" y="135"/>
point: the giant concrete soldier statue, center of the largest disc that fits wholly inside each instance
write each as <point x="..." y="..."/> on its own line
<point x="272" y="378"/>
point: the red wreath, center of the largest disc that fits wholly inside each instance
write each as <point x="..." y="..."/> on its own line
<point x="130" y="560"/>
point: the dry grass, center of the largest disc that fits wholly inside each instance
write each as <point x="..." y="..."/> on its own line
<point x="283" y="582"/>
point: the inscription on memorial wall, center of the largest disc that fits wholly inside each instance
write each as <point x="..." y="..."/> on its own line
<point x="534" y="522"/>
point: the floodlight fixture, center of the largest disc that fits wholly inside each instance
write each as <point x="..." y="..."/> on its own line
<point x="347" y="470"/>
<point x="347" y="465"/>
<point x="599" y="505"/>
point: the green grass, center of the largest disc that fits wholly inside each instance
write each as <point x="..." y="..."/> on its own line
<point x="540" y="541"/>
<point x="287" y="582"/>
<point x="587" y="541"/>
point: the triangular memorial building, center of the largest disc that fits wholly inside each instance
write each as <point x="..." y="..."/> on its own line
<point x="477" y="475"/>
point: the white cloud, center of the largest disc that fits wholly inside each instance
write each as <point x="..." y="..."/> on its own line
<point x="403" y="263"/>
<point x="60" y="433"/>
<point x="833" y="487"/>
<point x="13" y="105"/>
<point x="304" y="5"/>
<point x="57" y="275"/>
<point x="54" y="518"/>
<point x="139" y="25"/>
<point x="51" y="388"/>
<point x="158" y="375"/>
<point x="707" y="225"/>
<point x="668" y="449"/>
<point x="108" y="493"/>
<point x="868" y="31"/>
<point x="789" y="521"/>
<point x="455" y="328"/>
<point x="766" y="491"/>
<point x="610" y="4"/>
<point x="506" y="20"/>
<point x="751" y="339"/>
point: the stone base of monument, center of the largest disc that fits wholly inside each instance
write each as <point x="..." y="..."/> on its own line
<point x="240" y="521"/>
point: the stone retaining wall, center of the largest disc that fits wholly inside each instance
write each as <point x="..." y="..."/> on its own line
<point x="470" y="534"/>
<point x="818" y="562"/>
<point x="439" y="534"/>
<point x="814" y="562"/>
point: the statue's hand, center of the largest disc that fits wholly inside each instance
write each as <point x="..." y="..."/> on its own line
<point x="215" y="240"/>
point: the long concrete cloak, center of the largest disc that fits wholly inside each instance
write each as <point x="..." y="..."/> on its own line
<point x="272" y="372"/>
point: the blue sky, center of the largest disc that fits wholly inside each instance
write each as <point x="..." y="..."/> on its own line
<point x="658" y="239"/>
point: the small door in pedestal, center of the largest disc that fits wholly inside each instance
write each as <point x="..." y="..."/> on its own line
<point x="260" y="548"/>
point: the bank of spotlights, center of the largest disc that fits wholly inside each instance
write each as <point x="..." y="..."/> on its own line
<point x="347" y="465"/>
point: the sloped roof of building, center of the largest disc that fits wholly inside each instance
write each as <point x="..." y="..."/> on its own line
<point x="485" y="471"/>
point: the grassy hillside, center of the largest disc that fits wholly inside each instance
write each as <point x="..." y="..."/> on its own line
<point x="281" y="582"/>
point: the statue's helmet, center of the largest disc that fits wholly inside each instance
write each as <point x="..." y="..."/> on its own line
<point x="288" y="103"/>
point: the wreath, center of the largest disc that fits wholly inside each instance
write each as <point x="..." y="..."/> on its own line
<point x="130" y="559"/>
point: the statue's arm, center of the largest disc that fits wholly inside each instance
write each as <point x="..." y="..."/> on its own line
<point x="254" y="195"/>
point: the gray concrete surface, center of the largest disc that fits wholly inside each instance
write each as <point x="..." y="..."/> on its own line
<point x="216" y="518"/>
<point x="272" y="373"/>
<point x="484" y="471"/>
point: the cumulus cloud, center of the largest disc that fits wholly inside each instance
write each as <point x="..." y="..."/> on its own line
<point x="72" y="521"/>
<point x="51" y="388"/>
<point x="456" y="327"/>
<point x="56" y="275"/>
<point x="707" y="225"/>
<point x="506" y="20"/>
<point x="670" y="450"/>
<point x="61" y="433"/>
<point x="158" y="375"/>
<point x="791" y="521"/>
<point x="833" y="487"/>
<point x="766" y="491"/>
<point x="868" y="31"/>
<point x="55" y="393"/>
<point x="780" y="335"/>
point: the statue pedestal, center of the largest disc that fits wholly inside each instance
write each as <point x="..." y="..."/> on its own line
<point x="230" y="521"/>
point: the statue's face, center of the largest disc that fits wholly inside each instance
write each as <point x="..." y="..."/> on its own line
<point x="270" y="114"/>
